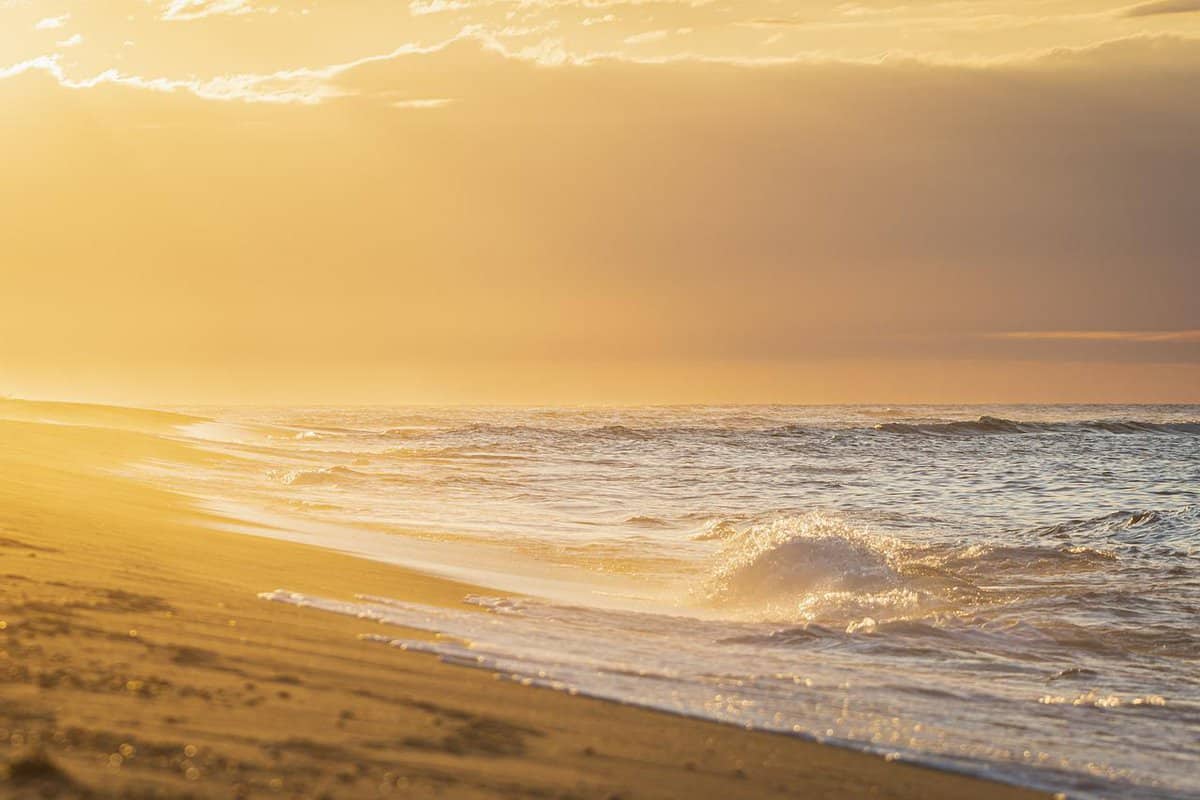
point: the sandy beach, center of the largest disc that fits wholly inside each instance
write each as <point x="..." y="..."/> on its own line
<point x="136" y="660"/>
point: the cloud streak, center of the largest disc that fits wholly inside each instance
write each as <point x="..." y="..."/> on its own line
<point x="187" y="10"/>
<point x="1158" y="7"/>
<point x="1136" y="337"/>
<point x="305" y="87"/>
<point x="50" y="23"/>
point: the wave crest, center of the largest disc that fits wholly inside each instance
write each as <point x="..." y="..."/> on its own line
<point x="787" y="564"/>
<point x="314" y="477"/>
<point x="821" y="567"/>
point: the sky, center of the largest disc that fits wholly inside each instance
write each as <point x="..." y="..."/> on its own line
<point x="600" y="201"/>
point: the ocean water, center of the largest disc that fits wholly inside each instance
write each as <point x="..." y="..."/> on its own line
<point x="1008" y="591"/>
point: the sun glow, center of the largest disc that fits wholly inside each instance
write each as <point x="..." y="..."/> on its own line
<point x="481" y="201"/>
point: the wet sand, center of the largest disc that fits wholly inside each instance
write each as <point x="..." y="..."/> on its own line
<point x="137" y="661"/>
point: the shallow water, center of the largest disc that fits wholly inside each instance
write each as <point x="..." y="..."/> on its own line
<point x="1008" y="591"/>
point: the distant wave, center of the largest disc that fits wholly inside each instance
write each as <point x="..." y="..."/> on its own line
<point x="315" y="477"/>
<point x="716" y="529"/>
<point x="1164" y="533"/>
<point x="475" y="453"/>
<point x="418" y="420"/>
<point x="615" y="432"/>
<point x="1117" y="520"/>
<point x="493" y="430"/>
<point x="623" y="431"/>
<point x="646" y="521"/>
<point x="994" y="425"/>
<point x="305" y="426"/>
<point x="407" y="433"/>
<point x="887" y="413"/>
<point x="787" y="430"/>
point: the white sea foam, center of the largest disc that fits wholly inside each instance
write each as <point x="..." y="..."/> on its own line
<point x="787" y="564"/>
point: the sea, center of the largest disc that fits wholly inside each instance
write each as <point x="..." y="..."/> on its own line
<point x="1006" y="591"/>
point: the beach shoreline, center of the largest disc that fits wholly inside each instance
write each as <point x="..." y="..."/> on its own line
<point x="137" y="660"/>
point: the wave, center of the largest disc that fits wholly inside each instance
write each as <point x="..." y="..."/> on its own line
<point x="315" y="477"/>
<point x="417" y="420"/>
<point x="611" y="431"/>
<point x="1163" y="532"/>
<point x="1117" y="520"/>
<point x="1000" y="425"/>
<point x="647" y="521"/>
<point x="984" y="560"/>
<point x="1136" y="426"/>
<point x="408" y="433"/>
<point x="785" y="431"/>
<point x="984" y="424"/>
<point x="616" y="432"/>
<point x="715" y="531"/>
<point x="821" y="567"/>
<point x="789" y="562"/>
<point x="887" y="412"/>
<point x="622" y="432"/>
<point x="481" y="453"/>
<point x="317" y="426"/>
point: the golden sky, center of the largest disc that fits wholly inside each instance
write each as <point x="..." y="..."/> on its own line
<point x="600" y="201"/>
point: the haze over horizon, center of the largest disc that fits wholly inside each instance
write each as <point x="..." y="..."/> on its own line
<point x="626" y="201"/>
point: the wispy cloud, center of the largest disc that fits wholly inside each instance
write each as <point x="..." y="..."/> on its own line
<point x="1153" y="337"/>
<point x="424" y="102"/>
<point x="314" y="85"/>
<point x="304" y="86"/>
<point x="183" y="10"/>
<point x="422" y="7"/>
<point x="774" y="22"/>
<point x="52" y="22"/>
<point x="1157" y="7"/>
<point x="648" y="36"/>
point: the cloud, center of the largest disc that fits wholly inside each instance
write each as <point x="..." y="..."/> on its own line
<point x="184" y="10"/>
<point x="50" y="23"/>
<point x="293" y="87"/>
<point x="424" y="102"/>
<point x="302" y="86"/>
<point x="71" y="41"/>
<point x="1162" y="7"/>
<point x="422" y="7"/>
<point x="795" y="210"/>
<point x="775" y="22"/>
<point x="1138" y="337"/>
<point x="648" y="36"/>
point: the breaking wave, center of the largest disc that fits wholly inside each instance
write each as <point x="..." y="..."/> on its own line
<point x="809" y="567"/>
<point x="828" y="568"/>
